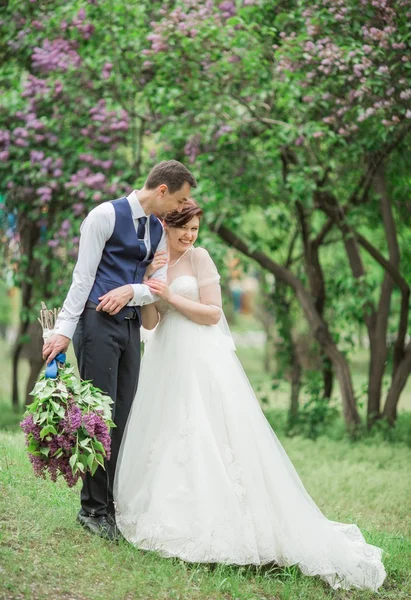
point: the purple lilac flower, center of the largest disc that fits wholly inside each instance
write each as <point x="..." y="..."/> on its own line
<point x="102" y="434"/>
<point x="59" y="54"/>
<point x="67" y="473"/>
<point x="89" y="423"/>
<point x="227" y="8"/>
<point x="28" y="426"/>
<point x="72" y="421"/>
<point x="39" y="465"/>
<point x="66" y="441"/>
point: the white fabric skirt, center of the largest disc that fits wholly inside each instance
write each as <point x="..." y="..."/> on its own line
<point x="202" y="476"/>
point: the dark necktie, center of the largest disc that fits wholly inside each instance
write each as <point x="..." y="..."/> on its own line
<point x="141" y="229"/>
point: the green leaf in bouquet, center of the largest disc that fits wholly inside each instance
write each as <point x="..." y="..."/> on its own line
<point x="73" y="462"/>
<point x="58" y="409"/>
<point x="46" y="430"/>
<point x="94" y="468"/>
<point x="32" y="408"/>
<point x="80" y="466"/>
<point x="68" y="371"/>
<point x="42" y="417"/>
<point x="33" y="446"/>
<point x="85" y="442"/>
<point x="58" y="453"/>
<point x="74" y="385"/>
<point x="38" y="388"/>
<point x="100" y="397"/>
<point x="83" y="460"/>
<point x="45" y="451"/>
<point x="98" y="446"/>
<point x="90" y="460"/>
<point x="100" y="460"/>
<point x="62" y="388"/>
<point x="88" y="400"/>
<point x="85" y="387"/>
<point x="48" y="391"/>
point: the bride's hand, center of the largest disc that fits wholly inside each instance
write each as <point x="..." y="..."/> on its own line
<point x="160" y="288"/>
<point x="160" y="259"/>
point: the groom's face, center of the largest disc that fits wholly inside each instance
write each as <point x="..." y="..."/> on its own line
<point x="175" y="201"/>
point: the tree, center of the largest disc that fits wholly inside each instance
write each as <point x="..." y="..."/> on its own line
<point x="299" y="110"/>
<point x="71" y="131"/>
<point x="306" y="105"/>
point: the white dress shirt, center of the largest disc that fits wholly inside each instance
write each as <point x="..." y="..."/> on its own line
<point x="96" y="230"/>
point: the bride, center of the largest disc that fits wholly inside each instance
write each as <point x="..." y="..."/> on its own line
<point x="201" y="475"/>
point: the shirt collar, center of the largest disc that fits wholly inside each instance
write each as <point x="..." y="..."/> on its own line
<point x="135" y="205"/>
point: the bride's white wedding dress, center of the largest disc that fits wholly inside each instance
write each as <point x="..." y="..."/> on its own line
<point x="202" y="476"/>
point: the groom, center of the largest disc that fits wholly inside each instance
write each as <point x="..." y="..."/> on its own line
<point x="101" y="312"/>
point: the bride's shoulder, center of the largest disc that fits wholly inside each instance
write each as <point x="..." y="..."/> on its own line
<point x="199" y="251"/>
<point x="204" y="266"/>
<point x="201" y="256"/>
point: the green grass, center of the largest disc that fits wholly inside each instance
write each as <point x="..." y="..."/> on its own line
<point x="44" y="554"/>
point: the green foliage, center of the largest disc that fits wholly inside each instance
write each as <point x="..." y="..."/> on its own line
<point x="5" y="304"/>
<point x="316" y="413"/>
<point x="285" y="112"/>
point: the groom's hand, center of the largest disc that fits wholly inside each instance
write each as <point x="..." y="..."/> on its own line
<point x="56" y="344"/>
<point x="114" y="301"/>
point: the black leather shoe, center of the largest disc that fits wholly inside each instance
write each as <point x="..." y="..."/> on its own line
<point x="101" y="526"/>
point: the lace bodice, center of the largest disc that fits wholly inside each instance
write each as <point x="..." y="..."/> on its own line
<point x="184" y="285"/>
<point x="193" y="276"/>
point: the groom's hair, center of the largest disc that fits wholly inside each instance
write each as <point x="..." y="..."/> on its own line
<point x="172" y="173"/>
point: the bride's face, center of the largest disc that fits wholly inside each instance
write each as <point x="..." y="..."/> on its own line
<point x="181" y="238"/>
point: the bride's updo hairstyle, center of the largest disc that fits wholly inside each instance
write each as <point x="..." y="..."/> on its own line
<point x="178" y="219"/>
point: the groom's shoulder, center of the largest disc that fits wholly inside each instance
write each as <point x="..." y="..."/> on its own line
<point x="100" y="213"/>
<point x="103" y="208"/>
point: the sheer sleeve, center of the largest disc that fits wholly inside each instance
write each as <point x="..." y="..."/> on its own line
<point x="207" y="277"/>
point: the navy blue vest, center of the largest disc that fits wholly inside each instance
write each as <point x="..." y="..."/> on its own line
<point x="121" y="262"/>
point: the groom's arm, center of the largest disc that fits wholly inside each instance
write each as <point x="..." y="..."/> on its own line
<point x="95" y="230"/>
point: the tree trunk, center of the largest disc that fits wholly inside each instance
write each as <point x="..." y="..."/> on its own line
<point x="376" y="368"/>
<point x="316" y="323"/>
<point x="317" y="286"/>
<point x="29" y="236"/>
<point x="296" y="374"/>
<point x="293" y="365"/>
<point x="398" y="383"/>
<point x="328" y="377"/>
<point x="32" y="352"/>
<point x="405" y="296"/>
<point x="269" y="353"/>
<point x="378" y="353"/>
<point x="380" y="341"/>
<point x="376" y="322"/>
<point x="18" y="346"/>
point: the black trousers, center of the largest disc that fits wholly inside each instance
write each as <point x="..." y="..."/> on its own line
<point x="108" y="353"/>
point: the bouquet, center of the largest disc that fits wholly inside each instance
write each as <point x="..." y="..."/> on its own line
<point x="67" y="427"/>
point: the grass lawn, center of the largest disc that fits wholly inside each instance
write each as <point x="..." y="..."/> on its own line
<point x="44" y="554"/>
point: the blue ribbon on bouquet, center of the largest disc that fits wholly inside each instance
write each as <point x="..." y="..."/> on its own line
<point x="52" y="368"/>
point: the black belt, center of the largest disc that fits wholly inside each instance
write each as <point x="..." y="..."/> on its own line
<point x="132" y="313"/>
